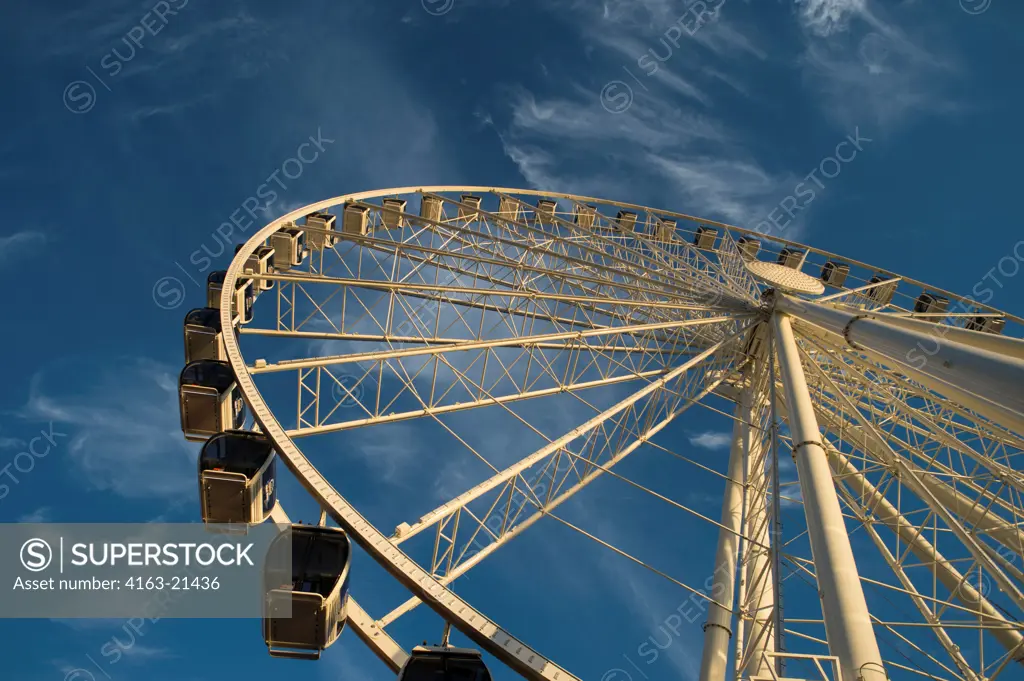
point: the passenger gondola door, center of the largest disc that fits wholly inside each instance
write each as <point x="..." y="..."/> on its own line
<point x="289" y="245"/>
<point x="223" y="497"/>
<point x="237" y="478"/>
<point x="209" y="399"/>
<point x="314" y="589"/>
<point x="203" y="338"/>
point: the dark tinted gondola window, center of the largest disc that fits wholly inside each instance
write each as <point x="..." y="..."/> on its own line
<point x="318" y="561"/>
<point x="445" y="668"/>
<point x="204" y="316"/>
<point x="238" y="453"/>
<point x="208" y="373"/>
<point x="239" y="407"/>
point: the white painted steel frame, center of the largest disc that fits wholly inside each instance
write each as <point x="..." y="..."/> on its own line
<point x="851" y="637"/>
<point x="471" y="622"/>
<point x="850" y="632"/>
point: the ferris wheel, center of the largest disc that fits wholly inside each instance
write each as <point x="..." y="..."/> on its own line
<point x="870" y="518"/>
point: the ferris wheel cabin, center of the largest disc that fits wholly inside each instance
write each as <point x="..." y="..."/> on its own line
<point x="881" y="294"/>
<point x="626" y="220"/>
<point x="931" y="303"/>
<point x="987" y="324"/>
<point x="244" y="295"/>
<point x="203" y="339"/>
<point x="834" y="273"/>
<point x="791" y="257"/>
<point x="289" y="245"/>
<point x="665" y="229"/>
<point x="442" y="663"/>
<point x="210" y="400"/>
<point x="584" y="215"/>
<point x="237" y="478"/>
<point x="508" y="208"/>
<point x="315" y="591"/>
<point x="260" y="262"/>
<point x="324" y="223"/>
<point x="392" y="213"/>
<point x="749" y="247"/>
<point x="545" y="212"/>
<point x="705" y="238"/>
<point x="470" y="206"/>
<point x="431" y="209"/>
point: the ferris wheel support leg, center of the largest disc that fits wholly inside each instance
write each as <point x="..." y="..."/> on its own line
<point x="985" y="381"/>
<point x="759" y="596"/>
<point x="718" y="628"/>
<point x="848" y="627"/>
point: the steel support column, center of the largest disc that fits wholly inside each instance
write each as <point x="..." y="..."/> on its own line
<point x="759" y="599"/>
<point x="848" y="627"/>
<point x="718" y="628"/>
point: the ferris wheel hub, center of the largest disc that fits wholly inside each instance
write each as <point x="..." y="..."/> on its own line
<point x="785" y="279"/>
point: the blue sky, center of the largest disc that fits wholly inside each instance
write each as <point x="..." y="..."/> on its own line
<point x="110" y="187"/>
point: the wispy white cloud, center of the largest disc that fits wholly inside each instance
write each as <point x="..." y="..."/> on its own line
<point x="11" y="443"/>
<point x="711" y="440"/>
<point x="653" y="150"/>
<point x="20" y="245"/>
<point x="867" y="70"/>
<point x="140" y="654"/>
<point x="654" y="125"/>
<point x="825" y="17"/>
<point x="125" y="430"/>
<point x="665" y="144"/>
<point x="739" y="190"/>
<point x="41" y="515"/>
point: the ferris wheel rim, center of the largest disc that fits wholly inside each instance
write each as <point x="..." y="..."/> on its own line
<point x="580" y="198"/>
<point x="474" y="624"/>
<point x="376" y="543"/>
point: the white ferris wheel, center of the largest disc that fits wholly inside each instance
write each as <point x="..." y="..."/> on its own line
<point x="896" y="407"/>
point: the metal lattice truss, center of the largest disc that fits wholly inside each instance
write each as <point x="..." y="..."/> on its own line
<point x="426" y="304"/>
<point x="934" y="489"/>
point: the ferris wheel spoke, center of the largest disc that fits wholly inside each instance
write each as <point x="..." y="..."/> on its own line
<point x="511" y="273"/>
<point x="396" y="322"/>
<point x="914" y="422"/>
<point x="866" y="501"/>
<point x="728" y="266"/>
<point x="911" y="480"/>
<point x="972" y="496"/>
<point x="930" y="419"/>
<point x="961" y="494"/>
<point x="616" y="285"/>
<point x="398" y="309"/>
<point x="549" y="339"/>
<point x="554" y="255"/>
<point x="477" y="374"/>
<point x="596" y="248"/>
<point x="634" y="421"/>
<point x="954" y="416"/>
<point x="529" y="300"/>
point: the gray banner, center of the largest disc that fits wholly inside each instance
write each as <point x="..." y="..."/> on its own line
<point x="146" y="570"/>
